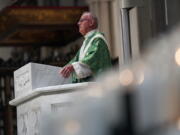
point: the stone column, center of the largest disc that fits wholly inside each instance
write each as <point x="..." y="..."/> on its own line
<point x="134" y="34"/>
<point x="139" y="21"/>
<point x="142" y="27"/>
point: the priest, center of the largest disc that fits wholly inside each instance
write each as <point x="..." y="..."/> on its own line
<point x="93" y="58"/>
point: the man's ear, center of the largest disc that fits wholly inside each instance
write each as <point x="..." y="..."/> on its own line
<point x="91" y="22"/>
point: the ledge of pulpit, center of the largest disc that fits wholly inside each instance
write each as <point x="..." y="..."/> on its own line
<point x="49" y="90"/>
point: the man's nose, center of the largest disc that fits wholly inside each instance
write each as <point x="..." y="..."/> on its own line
<point x="78" y="23"/>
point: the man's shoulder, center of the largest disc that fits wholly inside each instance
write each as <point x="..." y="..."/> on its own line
<point x="99" y="40"/>
<point x="99" y="34"/>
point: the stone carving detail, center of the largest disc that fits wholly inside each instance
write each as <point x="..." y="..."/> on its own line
<point x="34" y="121"/>
<point x="29" y="122"/>
<point x="23" y="124"/>
<point x="22" y="81"/>
<point x="34" y="75"/>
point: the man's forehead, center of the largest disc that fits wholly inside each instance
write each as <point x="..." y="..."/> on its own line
<point x="85" y="15"/>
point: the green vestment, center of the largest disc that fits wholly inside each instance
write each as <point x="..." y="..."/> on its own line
<point x="97" y="56"/>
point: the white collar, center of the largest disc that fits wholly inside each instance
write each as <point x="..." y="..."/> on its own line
<point x="90" y="33"/>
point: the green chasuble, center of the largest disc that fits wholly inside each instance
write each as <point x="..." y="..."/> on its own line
<point x="96" y="56"/>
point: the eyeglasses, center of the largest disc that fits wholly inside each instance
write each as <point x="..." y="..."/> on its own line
<point x="82" y="20"/>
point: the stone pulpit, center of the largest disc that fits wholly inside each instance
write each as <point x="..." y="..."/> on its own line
<point x="40" y="91"/>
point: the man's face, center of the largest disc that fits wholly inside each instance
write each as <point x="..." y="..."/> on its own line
<point x="84" y="24"/>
